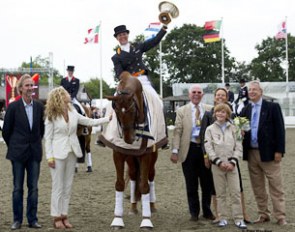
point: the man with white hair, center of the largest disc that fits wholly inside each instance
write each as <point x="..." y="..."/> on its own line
<point x="187" y="149"/>
<point x="263" y="148"/>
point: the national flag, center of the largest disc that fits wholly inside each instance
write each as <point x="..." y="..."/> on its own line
<point x="92" y="36"/>
<point x="212" y="36"/>
<point x="282" y="31"/>
<point x="213" y="25"/>
<point x="152" y="30"/>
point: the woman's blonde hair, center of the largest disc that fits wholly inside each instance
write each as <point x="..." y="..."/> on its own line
<point x="56" y="104"/>
<point x="225" y="107"/>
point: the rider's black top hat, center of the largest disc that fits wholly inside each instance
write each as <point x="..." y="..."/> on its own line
<point x="120" y="29"/>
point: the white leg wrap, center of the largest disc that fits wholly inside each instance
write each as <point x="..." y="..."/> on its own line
<point x="152" y="192"/>
<point x="77" y="165"/>
<point x="132" y="191"/>
<point x="146" y="208"/>
<point x="89" y="159"/>
<point x="119" y="204"/>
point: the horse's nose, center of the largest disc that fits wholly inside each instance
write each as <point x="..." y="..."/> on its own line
<point x="129" y="139"/>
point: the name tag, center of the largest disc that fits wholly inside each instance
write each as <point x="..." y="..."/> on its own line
<point x="73" y="83"/>
<point x="196" y="131"/>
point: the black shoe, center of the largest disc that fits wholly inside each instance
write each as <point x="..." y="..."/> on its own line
<point x="35" y="225"/>
<point x="209" y="217"/>
<point x="194" y="219"/>
<point x="99" y="143"/>
<point x="16" y="226"/>
<point x="89" y="169"/>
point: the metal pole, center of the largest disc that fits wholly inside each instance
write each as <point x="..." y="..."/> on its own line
<point x="50" y="80"/>
<point x="161" y="75"/>
<point x="100" y="85"/>
<point x="222" y="53"/>
<point x="287" y="62"/>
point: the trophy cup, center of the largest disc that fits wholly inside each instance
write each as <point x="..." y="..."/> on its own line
<point x="12" y="80"/>
<point x="168" y="10"/>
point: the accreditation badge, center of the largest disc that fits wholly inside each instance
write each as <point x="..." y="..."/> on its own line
<point x="196" y="131"/>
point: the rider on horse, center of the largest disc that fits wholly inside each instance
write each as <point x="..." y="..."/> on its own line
<point x="128" y="58"/>
<point x="72" y="85"/>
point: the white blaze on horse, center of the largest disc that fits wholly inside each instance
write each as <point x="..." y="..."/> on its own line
<point x="134" y="138"/>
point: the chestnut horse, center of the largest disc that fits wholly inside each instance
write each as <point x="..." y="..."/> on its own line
<point x="128" y="105"/>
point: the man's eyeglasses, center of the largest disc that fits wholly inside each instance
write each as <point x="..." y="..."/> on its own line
<point x="198" y="92"/>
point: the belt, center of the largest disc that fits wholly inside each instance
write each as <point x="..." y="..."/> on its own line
<point x="138" y="73"/>
<point x="196" y="144"/>
<point x="254" y="148"/>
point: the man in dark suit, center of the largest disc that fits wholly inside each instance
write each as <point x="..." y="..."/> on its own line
<point x="23" y="130"/>
<point x="230" y="94"/>
<point x="263" y="148"/>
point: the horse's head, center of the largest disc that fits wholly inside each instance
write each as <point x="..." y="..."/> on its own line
<point x="126" y="112"/>
<point x="128" y="105"/>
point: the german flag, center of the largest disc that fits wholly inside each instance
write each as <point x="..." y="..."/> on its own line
<point x="211" y="36"/>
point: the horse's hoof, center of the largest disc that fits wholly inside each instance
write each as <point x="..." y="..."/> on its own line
<point x="117" y="223"/>
<point x="146" y="228"/>
<point x="146" y="224"/>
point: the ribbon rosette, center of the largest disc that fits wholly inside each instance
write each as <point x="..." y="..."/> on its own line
<point x="242" y="124"/>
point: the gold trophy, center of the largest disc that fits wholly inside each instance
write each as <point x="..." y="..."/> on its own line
<point x="12" y="80"/>
<point x="168" y="10"/>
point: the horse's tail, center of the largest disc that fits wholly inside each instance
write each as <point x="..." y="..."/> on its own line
<point x="137" y="181"/>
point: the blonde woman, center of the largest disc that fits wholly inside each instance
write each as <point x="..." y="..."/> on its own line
<point x="62" y="149"/>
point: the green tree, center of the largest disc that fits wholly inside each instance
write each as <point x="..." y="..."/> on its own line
<point x="43" y="63"/>
<point x="271" y="54"/>
<point x="92" y="87"/>
<point x="190" y="60"/>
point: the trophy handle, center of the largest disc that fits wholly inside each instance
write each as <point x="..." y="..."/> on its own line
<point x="164" y="18"/>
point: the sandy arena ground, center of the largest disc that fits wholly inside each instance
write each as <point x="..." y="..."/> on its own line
<point x="93" y="196"/>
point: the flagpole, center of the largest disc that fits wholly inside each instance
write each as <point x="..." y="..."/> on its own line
<point x="161" y="76"/>
<point x="222" y="53"/>
<point x="100" y="85"/>
<point x="287" y="62"/>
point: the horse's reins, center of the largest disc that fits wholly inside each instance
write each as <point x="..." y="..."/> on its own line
<point x="123" y="110"/>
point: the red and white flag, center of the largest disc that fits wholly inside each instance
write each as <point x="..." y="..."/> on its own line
<point x="282" y="31"/>
<point x="92" y="36"/>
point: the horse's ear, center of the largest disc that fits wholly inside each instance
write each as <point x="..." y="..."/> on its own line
<point x="111" y="98"/>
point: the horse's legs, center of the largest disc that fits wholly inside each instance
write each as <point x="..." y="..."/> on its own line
<point x="119" y="160"/>
<point x="152" y="173"/>
<point x="145" y="190"/>
<point x="88" y="152"/>
<point x="132" y="176"/>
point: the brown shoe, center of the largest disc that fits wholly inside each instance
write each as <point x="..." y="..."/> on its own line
<point x="262" y="219"/>
<point x="58" y="223"/>
<point x="66" y="222"/>
<point x="282" y="222"/>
